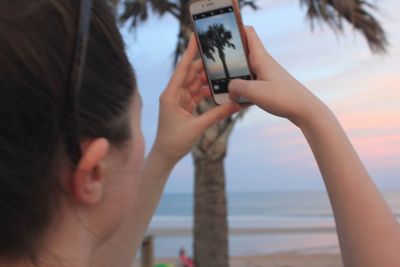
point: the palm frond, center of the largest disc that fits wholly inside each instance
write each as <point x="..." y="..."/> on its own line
<point x="181" y="44"/>
<point x="137" y="11"/>
<point x="356" y="12"/>
<point x="248" y="3"/>
<point x="162" y="7"/>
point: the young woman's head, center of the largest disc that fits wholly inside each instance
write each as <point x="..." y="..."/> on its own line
<point x="40" y="186"/>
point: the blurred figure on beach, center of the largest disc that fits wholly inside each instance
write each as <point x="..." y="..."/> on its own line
<point x="184" y="260"/>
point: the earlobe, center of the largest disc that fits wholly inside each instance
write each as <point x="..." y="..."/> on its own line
<point x="88" y="179"/>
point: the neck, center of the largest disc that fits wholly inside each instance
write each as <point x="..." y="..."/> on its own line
<point x="67" y="243"/>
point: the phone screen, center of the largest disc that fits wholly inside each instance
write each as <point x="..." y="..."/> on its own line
<point x="222" y="47"/>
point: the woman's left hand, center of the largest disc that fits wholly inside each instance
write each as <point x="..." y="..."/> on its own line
<point x="178" y="127"/>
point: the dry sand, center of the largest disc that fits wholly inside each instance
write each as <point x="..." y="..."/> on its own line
<point x="290" y="259"/>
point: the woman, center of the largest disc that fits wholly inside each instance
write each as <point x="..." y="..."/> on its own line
<point x="75" y="187"/>
<point x="60" y="201"/>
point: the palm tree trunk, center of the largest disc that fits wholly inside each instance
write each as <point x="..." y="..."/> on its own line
<point x="222" y="57"/>
<point x="211" y="226"/>
<point x="210" y="205"/>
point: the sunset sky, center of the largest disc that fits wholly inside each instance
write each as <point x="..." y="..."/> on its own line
<point x="267" y="153"/>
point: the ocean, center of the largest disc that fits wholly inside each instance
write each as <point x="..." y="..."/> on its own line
<point x="260" y="223"/>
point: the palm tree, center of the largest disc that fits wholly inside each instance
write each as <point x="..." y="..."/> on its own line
<point x="210" y="212"/>
<point x="216" y="37"/>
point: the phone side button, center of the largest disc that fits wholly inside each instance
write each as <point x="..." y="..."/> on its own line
<point x="240" y="20"/>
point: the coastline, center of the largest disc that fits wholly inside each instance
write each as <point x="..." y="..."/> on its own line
<point x="186" y="231"/>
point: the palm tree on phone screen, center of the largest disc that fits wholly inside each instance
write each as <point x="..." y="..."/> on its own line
<point x="217" y="39"/>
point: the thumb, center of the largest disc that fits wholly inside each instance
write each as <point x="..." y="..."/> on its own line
<point x="254" y="91"/>
<point x="217" y="114"/>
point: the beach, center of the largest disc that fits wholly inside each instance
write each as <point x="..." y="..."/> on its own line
<point x="288" y="259"/>
<point x="285" y="247"/>
<point x="285" y="229"/>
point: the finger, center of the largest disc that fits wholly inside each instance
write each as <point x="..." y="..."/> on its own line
<point x="190" y="107"/>
<point x="253" y="41"/>
<point x="217" y="114"/>
<point x="201" y="94"/>
<point x="196" y="86"/>
<point x="257" y="92"/>
<point x="203" y="76"/>
<point x="196" y="98"/>
<point x="196" y="67"/>
<point x="259" y="58"/>
<point x="183" y="67"/>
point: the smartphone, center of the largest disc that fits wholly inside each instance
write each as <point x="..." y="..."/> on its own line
<point x="220" y="35"/>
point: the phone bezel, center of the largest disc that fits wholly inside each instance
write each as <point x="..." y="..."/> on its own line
<point x="200" y="6"/>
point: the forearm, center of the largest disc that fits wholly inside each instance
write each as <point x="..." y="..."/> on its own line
<point x="121" y="248"/>
<point x="368" y="232"/>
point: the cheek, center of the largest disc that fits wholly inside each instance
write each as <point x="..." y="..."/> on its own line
<point x="124" y="195"/>
<point x="123" y="187"/>
<point x="140" y="151"/>
<point x="134" y="170"/>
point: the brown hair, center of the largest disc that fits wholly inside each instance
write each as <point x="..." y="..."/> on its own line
<point x="36" y="46"/>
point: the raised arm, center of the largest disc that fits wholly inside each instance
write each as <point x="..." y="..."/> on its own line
<point x="369" y="234"/>
<point x="177" y="132"/>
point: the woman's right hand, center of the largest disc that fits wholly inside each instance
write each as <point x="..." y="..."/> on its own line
<point x="275" y="90"/>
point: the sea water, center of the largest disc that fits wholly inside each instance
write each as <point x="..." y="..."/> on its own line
<point x="260" y="223"/>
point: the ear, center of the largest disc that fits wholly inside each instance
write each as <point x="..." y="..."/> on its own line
<point x="88" y="179"/>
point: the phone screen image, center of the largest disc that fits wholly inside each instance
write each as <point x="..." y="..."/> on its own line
<point x="222" y="49"/>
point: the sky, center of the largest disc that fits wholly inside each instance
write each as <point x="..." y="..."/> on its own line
<point x="235" y="57"/>
<point x="268" y="153"/>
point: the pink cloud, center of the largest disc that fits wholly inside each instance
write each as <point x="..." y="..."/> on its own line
<point x="378" y="147"/>
<point x="374" y="92"/>
<point x="370" y="114"/>
<point x="374" y="134"/>
<point x="371" y="120"/>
